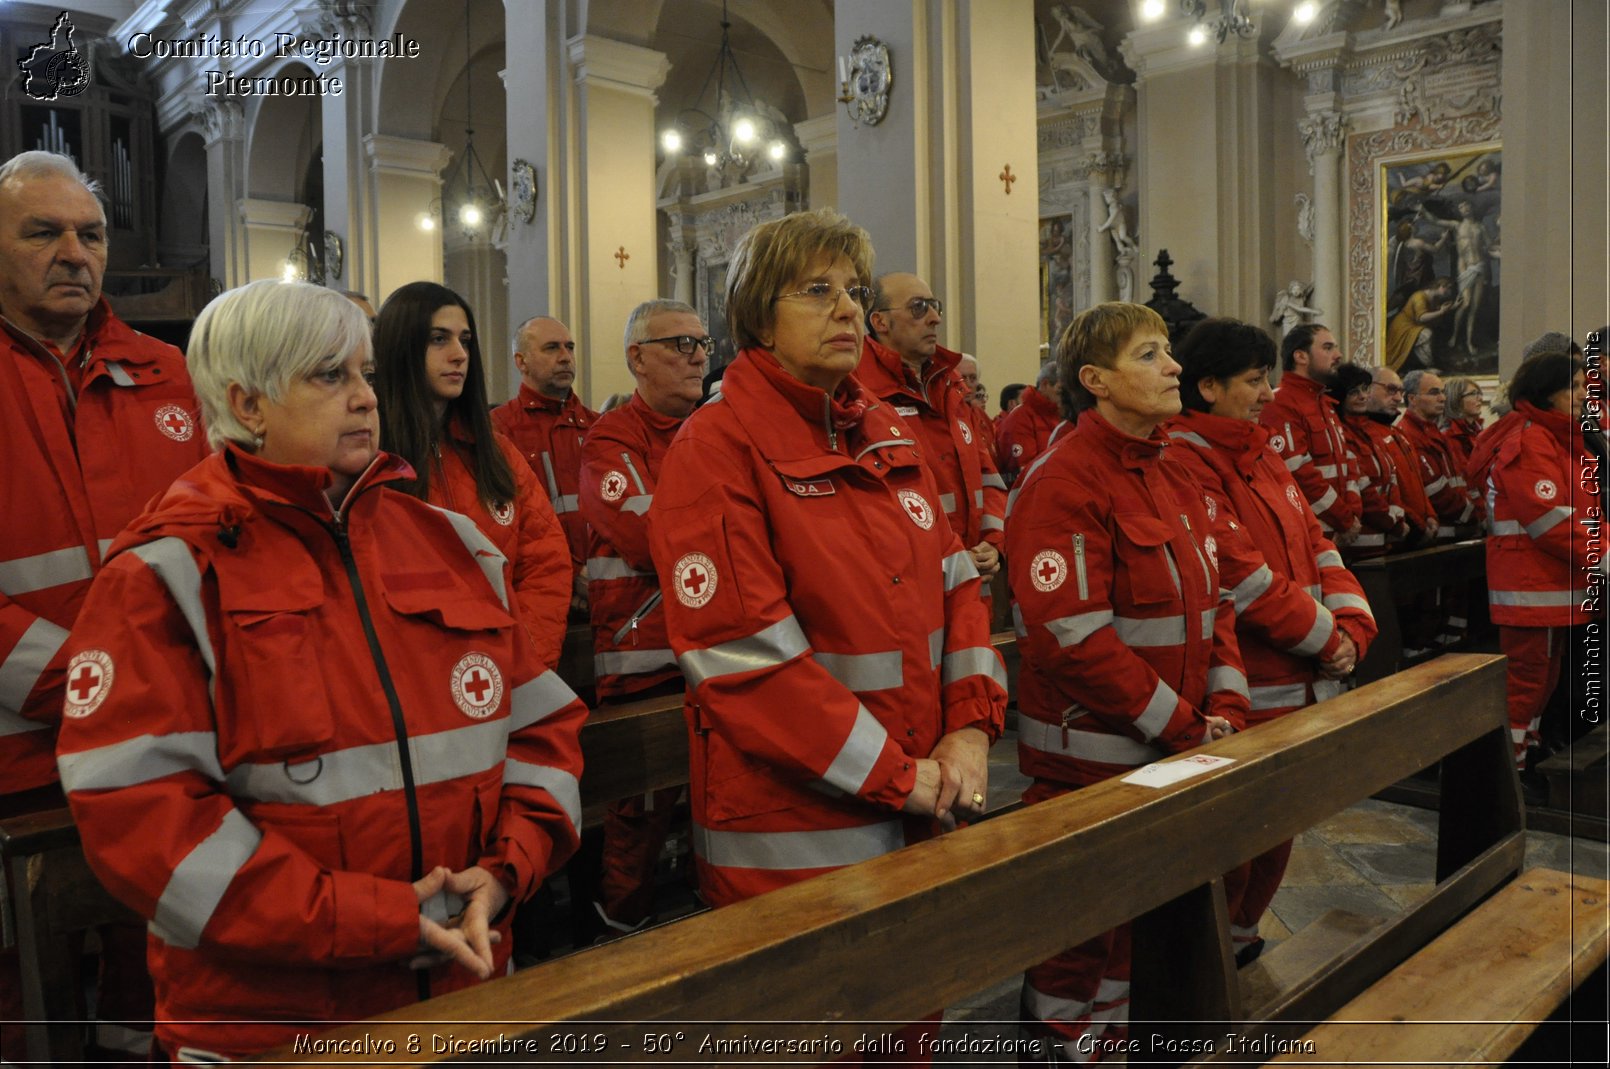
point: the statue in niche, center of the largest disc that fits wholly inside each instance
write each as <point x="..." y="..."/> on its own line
<point x="1291" y="307"/>
<point x="1082" y="35"/>
<point x="1116" y="223"/>
<point x="1305" y="217"/>
<point x="1394" y="13"/>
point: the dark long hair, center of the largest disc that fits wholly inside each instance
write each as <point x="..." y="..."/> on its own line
<point x="408" y="425"/>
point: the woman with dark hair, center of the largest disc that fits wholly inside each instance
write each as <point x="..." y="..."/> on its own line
<point x="1538" y="560"/>
<point x="433" y="413"/>
<point x="1129" y="653"/>
<point x="1370" y="456"/>
<point x="1302" y="621"/>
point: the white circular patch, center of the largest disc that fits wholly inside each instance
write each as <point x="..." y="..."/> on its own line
<point x="1047" y="570"/>
<point x="921" y="513"/>
<point x="613" y="486"/>
<point x="1212" y="507"/>
<point x="1546" y="490"/>
<point x="1277" y="443"/>
<point x="695" y="579"/>
<point x="967" y="432"/>
<point x="89" y="681"/>
<point x="504" y="513"/>
<point x="176" y="423"/>
<point x="1017" y="449"/>
<point x="1291" y="496"/>
<point x="477" y="686"/>
<point x="1211" y="547"/>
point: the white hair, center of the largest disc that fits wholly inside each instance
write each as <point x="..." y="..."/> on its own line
<point x="1047" y="375"/>
<point x="38" y="162"/>
<point x="1411" y="381"/>
<point x="264" y="335"/>
<point x="637" y="321"/>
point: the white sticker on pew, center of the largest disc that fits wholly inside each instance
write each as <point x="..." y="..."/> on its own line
<point x="1169" y="772"/>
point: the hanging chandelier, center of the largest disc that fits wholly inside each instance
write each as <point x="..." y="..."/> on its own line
<point x="1231" y="20"/>
<point x="472" y="196"/>
<point x="733" y="131"/>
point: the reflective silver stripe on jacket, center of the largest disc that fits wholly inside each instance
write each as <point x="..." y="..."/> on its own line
<point x="1086" y="745"/>
<point x="1072" y="630"/>
<point x="481" y="550"/>
<point x="1161" y="631"/>
<point x="198" y="883"/>
<point x="991" y="523"/>
<point x="959" y="568"/>
<point x="1251" y="588"/>
<point x="864" y="671"/>
<point x="1328" y="559"/>
<point x="1046" y="1007"/>
<point x="1192" y="437"/>
<point x="1290" y="696"/>
<point x="1019" y="628"/>
<point x="830" y="848"/>
<point x="24" y="575"/>
<point x="994" y="481"/>
<point x="1507" y="527"/>
<point x="973" y="661"/>
<point x="978" y="499"/>
<point x="1224" y="677"/>
<point x="769" y="647"/>
<point x="1549" y="520"/>
<point x="1436" y="485"/>
<point x="537" y="699"/>
<point x="561" y="503"/>
<point x="120" y="376"/>
<point x="1326" y="500"/>
<point x="1547" y="599"/>
<point x="632" y="662"/>
<point x="1326" y="689"/>
<point x="1023" y="479"/>
<point x="20" y="671"/>
<point x="16" y="724"/>
<point x="856" y="758"/>
<point x="172" y="562"/>
<point x="1297" y="460"/>
<point x="559" y="784"/>
<point x="1159" y="710"/>
<point x="947" y="502"/>
<point x="638" y="504"/>
<point x="1370" y="538"/>
<point x="613" y="568"/>
<point x="1348" y="601"/>
<point x="142" y="759"/>
<point x="1314" y="642"/>
<point x="1315" y="591"/>
<point x="936" y="647"/>
<point x="1326" y="470"/>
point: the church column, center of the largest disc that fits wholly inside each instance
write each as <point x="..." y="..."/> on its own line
<point x="680" y="248"/>
<point x="1105" y="170"/>
<point x="272" y="229"/>
<point x="819" y="137"/>
<point x="617" y="246"/>
<point x="344" y="118"/>
<point x="405" y="179"/>
<point x="1324" y="132"/>
<point x="961" y="123"/>
<point x="226" y="184"/>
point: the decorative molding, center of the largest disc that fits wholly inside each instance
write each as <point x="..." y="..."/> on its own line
<point x="1322" y="132"/>
<point x="1069" y="131"/>
<point x="406" y="157"/>
<point x="223" y="120"/>
<point x="602" y="62"/>
<point x="274" y="214"/>
<point x="818" y="135"/>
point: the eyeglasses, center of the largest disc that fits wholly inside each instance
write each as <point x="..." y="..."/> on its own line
<point x="682" y="343"/>
<point x="1390" y="391"/>
<point x="919" y="307"/>
<point x="826" y="295"/>
<point x="1438" y="392"/>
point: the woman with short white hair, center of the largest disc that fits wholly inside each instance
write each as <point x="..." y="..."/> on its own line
<point x="303" y="736"/>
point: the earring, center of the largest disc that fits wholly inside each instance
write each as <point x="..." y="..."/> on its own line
<point x="257" y="443"/>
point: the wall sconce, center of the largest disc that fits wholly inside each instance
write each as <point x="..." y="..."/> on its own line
<point x="865" y="78"/>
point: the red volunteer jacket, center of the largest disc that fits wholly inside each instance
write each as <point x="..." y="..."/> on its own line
<point x="1293" y="598"/>
<point x="262" y="768"/>
<point x="1462" y="435"/>
<point x="1545" y="548"/>
<point x="972" y="494"/>
<point x="525" y="531"/>
<point x="826" y="619"/>
<point x="549" y="434"/>
<point x="1380" y="489"/>
<point x="620" y="463"/>
<point x="1444" y="482"/>
<point x="1304" y="430"/>
<point x="1026" y="431"/>
<point x="78" y="466"/>
<point x="1127" y="645"/>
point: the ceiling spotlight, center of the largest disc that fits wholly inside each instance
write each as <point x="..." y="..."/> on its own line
<point x="777" y="150"/>
<point x="671" y="140"/>
<point x="743" y="131"/>
<point x="427" y="221"/>
<point x="1197" y="36"/>
<point x="1151" y="10"/>
<point x="1305" y="12"/>
<point x="470" y="215"/>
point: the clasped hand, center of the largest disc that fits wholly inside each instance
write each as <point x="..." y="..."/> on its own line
<point x="468" y="938"/>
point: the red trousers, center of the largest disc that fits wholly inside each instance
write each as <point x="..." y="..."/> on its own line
<point x="1535" y="655"/>
<point x="1249" y="888"/>
<point x="635" y="830"/>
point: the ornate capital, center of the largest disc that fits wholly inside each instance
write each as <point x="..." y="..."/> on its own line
<point x="223" y="120"/>
<point x="1106" y="168"/>
<point x="1323" y="131"/>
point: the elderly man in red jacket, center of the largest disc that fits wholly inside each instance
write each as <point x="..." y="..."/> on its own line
<point x="95" y="420"/>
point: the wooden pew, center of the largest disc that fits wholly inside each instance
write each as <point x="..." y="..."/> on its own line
<point x="893" y="938"/>
<point x="1393" y="580"/>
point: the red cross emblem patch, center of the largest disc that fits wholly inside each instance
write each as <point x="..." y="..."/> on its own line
<point x="1047" y="570"/>
<point x="1211" y="547"/>
<point x="1546" y="490"/>
<point x="477" y="686"/>
<point x="89" y="681"/>
<point x="1291" y="496"/>
<point x="694" y="578"/>
<point x="176" y="423"/>
<point x="1017" y="449"/>
<point x="613" y="486"/>
<point x="921" y="513"/>
<point x="504" y="513"/>
<point x="967" y="432"/>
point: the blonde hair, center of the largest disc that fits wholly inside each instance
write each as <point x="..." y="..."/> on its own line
<point x="264" y="335"/>
<point x="1457" y="388"/>
<point x="1096" y="336"/>
<point x="774" y="254"/>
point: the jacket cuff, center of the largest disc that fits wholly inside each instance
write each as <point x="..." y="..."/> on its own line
<point x="375" y="919"/>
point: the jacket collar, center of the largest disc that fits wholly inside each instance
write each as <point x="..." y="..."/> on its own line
<point x="1037" y="402"/>
<point x="1558" y="424"/>
<point x="532" y="400"/>
<point x="1244" y="438"/>
<point x="1129" y="451"/>
<point x="1302" y="384"/>
<point x="757" y="386"/>
<point x="665" y="425"/>
<point x="102" y="327"/>
<point x="883" y="372"/>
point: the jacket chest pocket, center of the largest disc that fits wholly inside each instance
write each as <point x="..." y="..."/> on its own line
<point x="1150" y="574"/>
<point x="270" y="691"/>
<point x="455" y="649"/>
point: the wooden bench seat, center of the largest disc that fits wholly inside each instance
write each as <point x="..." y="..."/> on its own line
<point x="1392" y="581"/>
<point x="1474" y="994"/>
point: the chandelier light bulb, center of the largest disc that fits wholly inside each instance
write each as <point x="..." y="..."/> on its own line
<point x="1197" y="36"/>
<point x="743" y="131"/>
<point x="1151" y="10"/>
<point x="672" y="141"/>
<point x="1305" y="12"/>
<point x="427" y="221"/>
<point x="777" y="150"/>
<point x="470" y="214"/>
<point x="709" y="158"/>
<point x="289" y="273"/>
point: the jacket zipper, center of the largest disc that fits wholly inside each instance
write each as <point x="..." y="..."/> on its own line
<point x="636" y="478"/>
<point x="630" y="627"/>
<point x="1084" y="588"/>
<point x="1067" y="715"/>
<point x="1207" y="578"/>
<point x="827" y="421"/>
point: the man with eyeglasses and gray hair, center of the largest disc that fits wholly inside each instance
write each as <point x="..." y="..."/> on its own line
<point x="903" y="364"/>
<point x="667" y="348"/>
<point x="1459" y="511"/>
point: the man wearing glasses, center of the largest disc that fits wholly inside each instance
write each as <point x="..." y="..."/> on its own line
<point x="1455" y="505"/>
<point x="667" y="349"/>
<point x="547" y="421"/>
<point x="1383" y="405"/>
<point x="903" y="363"/>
